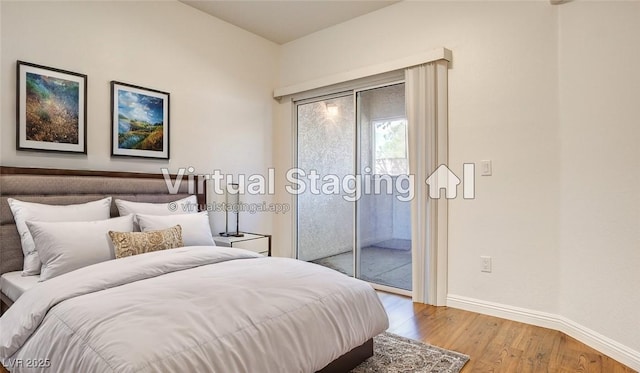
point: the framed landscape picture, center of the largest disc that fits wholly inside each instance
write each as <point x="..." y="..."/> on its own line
<point x="139" y="121"/>
<point x="51" y="109"/>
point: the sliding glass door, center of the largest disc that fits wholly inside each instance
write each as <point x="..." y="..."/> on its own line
<point x="352" y="158"/>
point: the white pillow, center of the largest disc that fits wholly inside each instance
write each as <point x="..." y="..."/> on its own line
<point x="64" y="247"/>
<point x="188" y="205"/>
<point x="29" y="211"/>
<point x="195" y="227"/>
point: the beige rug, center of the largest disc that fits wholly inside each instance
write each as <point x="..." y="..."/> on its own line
<point x="393" y="353"/>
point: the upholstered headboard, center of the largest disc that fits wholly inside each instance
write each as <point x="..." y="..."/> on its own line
<point x="60" y="187"/>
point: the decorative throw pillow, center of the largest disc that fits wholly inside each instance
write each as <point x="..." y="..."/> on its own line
<point x="30" y="211"/>
<point x="67" y="246"/>
<point x="134" y="243"/>
<point x="188" y="205"/>
<point x="195" y="227"/>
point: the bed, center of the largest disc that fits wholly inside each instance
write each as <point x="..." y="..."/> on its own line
<point x="186" y="309"/>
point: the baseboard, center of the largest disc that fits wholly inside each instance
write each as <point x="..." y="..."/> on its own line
<point x="591" y="338"/>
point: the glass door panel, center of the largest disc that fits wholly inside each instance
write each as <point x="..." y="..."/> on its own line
<point x="383" y="212"/>
<point x="326" y="148"/>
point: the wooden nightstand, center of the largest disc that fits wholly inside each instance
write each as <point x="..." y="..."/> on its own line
<point x="259" y="243"/>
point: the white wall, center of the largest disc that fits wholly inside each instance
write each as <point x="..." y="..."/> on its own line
<point x="550" y="95"/>
<point x="220" y="79"/>
<point x="503" y="105"/>
<point x="283" y="139"/>
<point x="600" y="167"/>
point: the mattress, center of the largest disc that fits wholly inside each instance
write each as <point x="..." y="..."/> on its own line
<point x="13" y="284"/>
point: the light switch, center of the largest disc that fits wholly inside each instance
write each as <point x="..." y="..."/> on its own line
<point x="486" y="264"/>
<point x="485" y="168"/>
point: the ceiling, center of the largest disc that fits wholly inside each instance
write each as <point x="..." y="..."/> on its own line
<point x="284" y="21"/>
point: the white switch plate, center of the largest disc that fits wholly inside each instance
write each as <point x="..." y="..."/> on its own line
<point x="485" y="265"/>
<point x="485" y="168"/>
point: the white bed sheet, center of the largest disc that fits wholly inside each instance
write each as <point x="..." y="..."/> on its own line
<point x="13" y="284"/>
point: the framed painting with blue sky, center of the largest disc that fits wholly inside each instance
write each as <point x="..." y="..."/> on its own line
<point x="139" y="121"/>
<point x="51" y="109"/>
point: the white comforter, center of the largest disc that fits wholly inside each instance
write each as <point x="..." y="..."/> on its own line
<point x="193" y="309"/>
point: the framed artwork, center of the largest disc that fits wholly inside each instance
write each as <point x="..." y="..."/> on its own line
<point x="139" y="121"/>
<point x="51" y="109"/>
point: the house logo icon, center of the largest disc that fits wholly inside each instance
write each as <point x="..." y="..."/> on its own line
<point x="444" y="178"/>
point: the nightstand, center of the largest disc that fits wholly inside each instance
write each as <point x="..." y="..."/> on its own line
<point x="259" y="243"/>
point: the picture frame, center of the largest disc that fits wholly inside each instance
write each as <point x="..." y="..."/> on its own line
<point x="51" y="109"/>
<point x="139" y="121"/>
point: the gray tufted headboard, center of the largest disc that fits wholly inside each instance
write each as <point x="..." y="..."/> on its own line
<point x="58" y="187"/>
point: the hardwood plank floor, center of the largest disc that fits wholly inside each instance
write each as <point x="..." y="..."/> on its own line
<point x="495" y="344"/>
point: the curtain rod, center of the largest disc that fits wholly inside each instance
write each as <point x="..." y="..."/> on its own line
<point x="363" y="72"/>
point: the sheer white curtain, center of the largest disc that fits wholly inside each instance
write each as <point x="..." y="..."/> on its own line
<point x="426" y="105"/>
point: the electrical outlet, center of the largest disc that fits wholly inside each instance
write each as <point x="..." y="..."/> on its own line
<point x="485" y="265"/>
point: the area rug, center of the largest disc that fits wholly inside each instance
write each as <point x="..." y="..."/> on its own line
<point x="394" y="354"/>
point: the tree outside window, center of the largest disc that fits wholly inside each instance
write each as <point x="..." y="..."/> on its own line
<point x="390" y="147"/>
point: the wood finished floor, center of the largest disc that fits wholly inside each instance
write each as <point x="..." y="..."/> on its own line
<point x="494" y="344"/>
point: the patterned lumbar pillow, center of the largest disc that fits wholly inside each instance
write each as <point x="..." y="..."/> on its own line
<point x="134" y="243"/>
